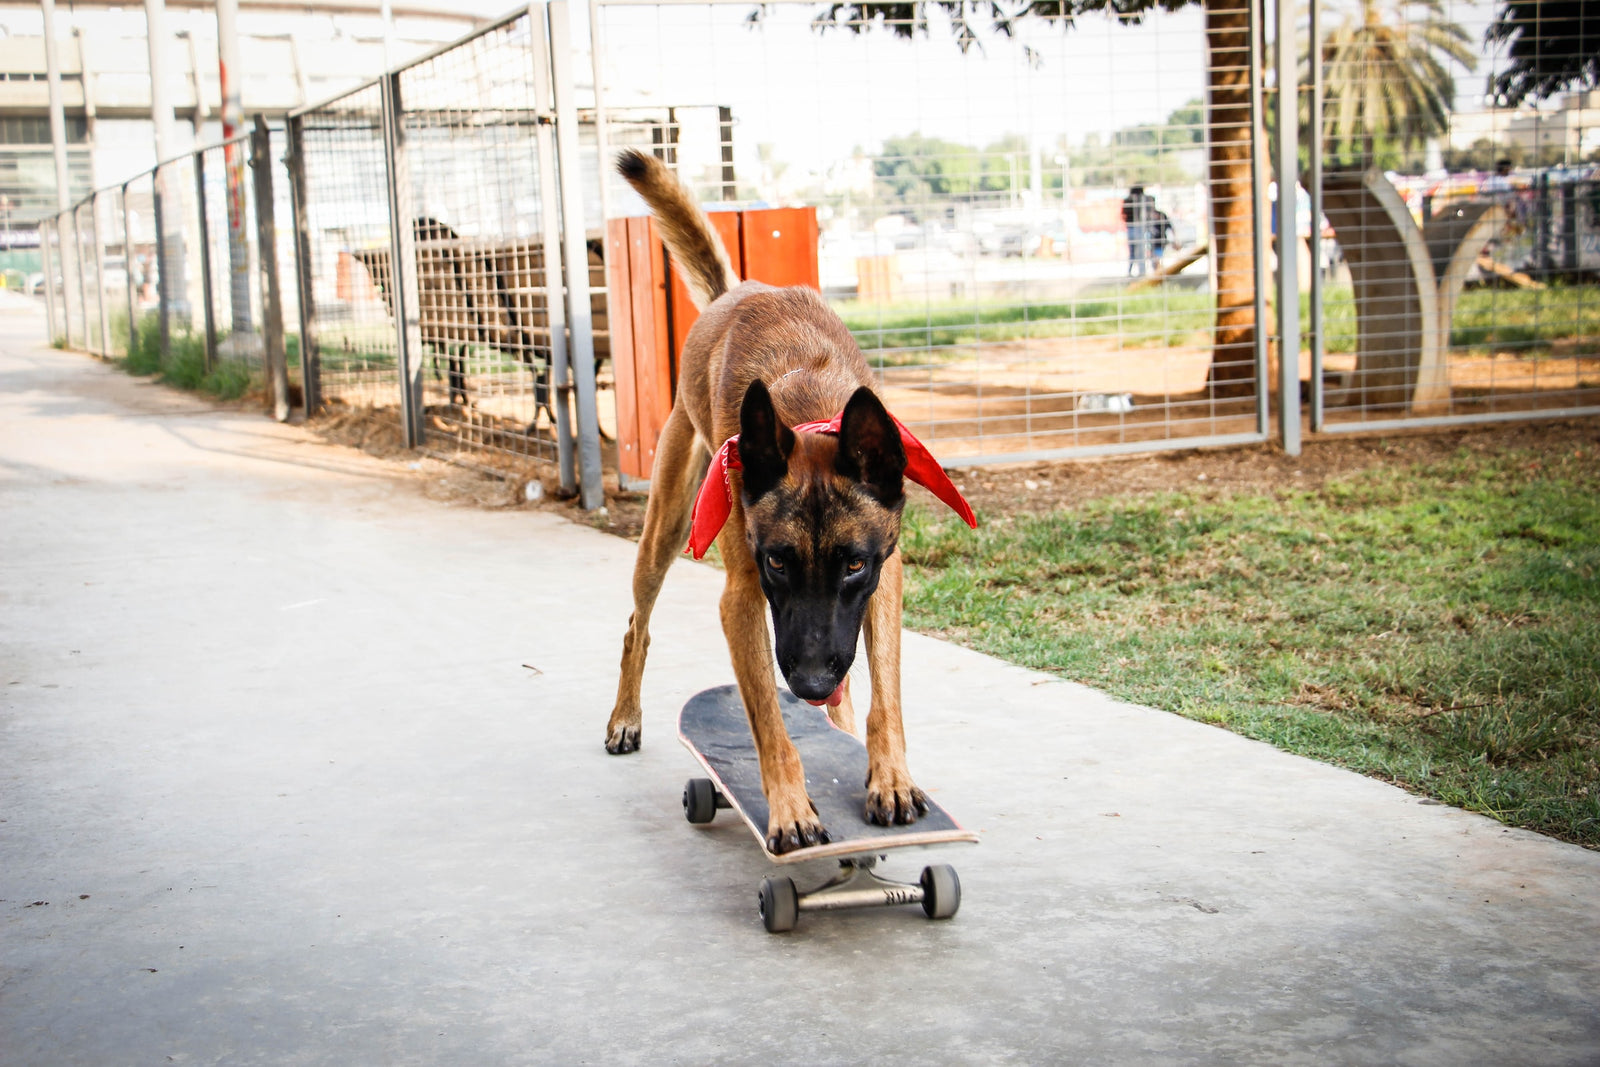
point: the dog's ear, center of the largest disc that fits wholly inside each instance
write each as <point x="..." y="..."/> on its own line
<point x="764" y="443"/>
<point x="870" y="450"/>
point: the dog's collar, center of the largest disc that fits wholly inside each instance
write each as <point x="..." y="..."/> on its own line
<point x="714" y="502"/>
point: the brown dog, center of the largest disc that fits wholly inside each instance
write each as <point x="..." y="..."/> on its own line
<point x="814" y="518"/>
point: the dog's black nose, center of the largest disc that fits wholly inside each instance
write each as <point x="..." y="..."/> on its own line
<point x="812" y="685"/>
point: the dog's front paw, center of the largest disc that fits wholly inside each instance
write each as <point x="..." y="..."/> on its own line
<point x="793" y="826"/>
<point x="623" y="735"/>
<point x="894" y="800"/>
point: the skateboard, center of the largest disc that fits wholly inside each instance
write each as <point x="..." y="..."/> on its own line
<point x="713" y="727"/>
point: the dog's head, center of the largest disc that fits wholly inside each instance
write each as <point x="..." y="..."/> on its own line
<point x="822" y="513"/>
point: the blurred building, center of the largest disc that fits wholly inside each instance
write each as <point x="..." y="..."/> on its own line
<point x="294" y="52"/>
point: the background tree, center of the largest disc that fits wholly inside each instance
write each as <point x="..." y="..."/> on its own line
<point x="1552" y="46"/>
<point x="1227" y="34"/>
<point x="1385" y="77"/>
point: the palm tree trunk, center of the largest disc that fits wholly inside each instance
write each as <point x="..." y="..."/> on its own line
<point x="1228" y="35"/>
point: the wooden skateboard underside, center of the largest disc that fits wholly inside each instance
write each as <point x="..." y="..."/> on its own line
<point x="713" y="727"/>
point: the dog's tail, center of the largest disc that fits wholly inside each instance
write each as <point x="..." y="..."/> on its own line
<point x="687" y="232"/>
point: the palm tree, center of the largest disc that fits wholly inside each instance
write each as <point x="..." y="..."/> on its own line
<point x="1385" y="77"/>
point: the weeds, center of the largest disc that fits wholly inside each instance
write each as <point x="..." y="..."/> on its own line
<point x="1437" y="626"/>
<point x="185" y="364"/>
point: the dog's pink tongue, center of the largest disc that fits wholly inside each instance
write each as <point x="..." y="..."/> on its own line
<point x="833" y="700"/>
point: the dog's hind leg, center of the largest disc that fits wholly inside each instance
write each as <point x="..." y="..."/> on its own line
<point x="892" y="797"/>
<point x="680" y="464"/>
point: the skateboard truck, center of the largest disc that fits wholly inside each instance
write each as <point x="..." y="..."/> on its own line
<point x="856" y="885"/>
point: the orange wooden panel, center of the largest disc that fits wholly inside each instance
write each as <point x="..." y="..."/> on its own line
<point x="726" y="224"/>
<point x="619" y="303"/>
<point x="780" y="246"/>
<point x="652" y="342"/>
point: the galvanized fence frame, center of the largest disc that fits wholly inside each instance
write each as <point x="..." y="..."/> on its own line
<point x="206" y="286"/>
<point x="1424" y="236"/>
<point x="166" y="267"/>
<point x="510" y="288"/>
<point x="1268" y="332"/>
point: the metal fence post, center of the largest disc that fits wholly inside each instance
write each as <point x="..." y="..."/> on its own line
<point x="403" y="266"/>
<point x="591" y="488"/>
<point x="100" y="276"/>
<point x="205" y="261"/>
<point x="1315" y="326"/>
<point x="310" y="361"/>
<point x="554" y="271"/>
<point x="47" y="265"/>
<point x="1258" y="186"/>
<point x="163" y="284"/>
<point x="127" y="263"/>
<point x="267" y="256"/>
<point x="83" y="286"/>
<point x="1288" y="230"/>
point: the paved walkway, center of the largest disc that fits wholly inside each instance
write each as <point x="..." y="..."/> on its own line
<point x="272" y="758"/>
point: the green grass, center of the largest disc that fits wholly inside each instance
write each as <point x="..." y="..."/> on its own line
<point x="184" y="366"/>
<point x="1528" y="322"/>
<point x="1436" y="626"/>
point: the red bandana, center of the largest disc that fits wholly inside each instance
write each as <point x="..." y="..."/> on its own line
<point x="715" y="500"/>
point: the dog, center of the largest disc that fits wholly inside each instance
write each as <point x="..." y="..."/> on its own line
<point x="812" y="519"/>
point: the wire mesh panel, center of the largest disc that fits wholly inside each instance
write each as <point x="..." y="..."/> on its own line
<point x="50" y="258"/>
<point x="230" y="236"/>
<point x="1043" y="241"/>
<point x="1459" y="250"/>
<point x="143" y="262"/>
<point x="469" y="127"/>
<point x="115" y="275"/>
<point x="85" y="227"/>
<point x="351" y="317"/>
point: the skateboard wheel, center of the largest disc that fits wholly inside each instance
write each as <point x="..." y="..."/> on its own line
<point x="941" y="891"/>
<point x="699" y="800"/>
<point x="779" y="904"/>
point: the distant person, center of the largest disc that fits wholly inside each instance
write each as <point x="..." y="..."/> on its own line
<point x="1497" y="186"/>
<point x="1138" y="212"/>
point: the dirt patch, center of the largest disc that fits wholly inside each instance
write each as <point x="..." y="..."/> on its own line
<point x="498" y="482"/>
<point x="1036" y="487"/>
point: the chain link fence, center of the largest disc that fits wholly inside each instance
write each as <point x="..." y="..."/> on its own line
<point x="1062" y="241"/>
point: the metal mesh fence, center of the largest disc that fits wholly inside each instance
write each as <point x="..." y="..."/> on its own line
<point x="1017" y="232"/>
<point x="1457" y="261"/>
<point x="349" y="317"/>
<point x="1055" y="240"/>
<point x="469" y="120"/>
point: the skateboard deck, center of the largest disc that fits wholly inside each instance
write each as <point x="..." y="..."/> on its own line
<point x="713" y="727"/>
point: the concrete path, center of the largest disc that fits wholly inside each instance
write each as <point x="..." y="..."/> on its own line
<point x="277" y="788"/>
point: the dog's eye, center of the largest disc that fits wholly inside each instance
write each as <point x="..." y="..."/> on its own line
<point x="856" y="565"/>
<point x="775" y="563"/>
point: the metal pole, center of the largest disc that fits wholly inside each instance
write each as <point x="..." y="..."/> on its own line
<point x="230" y="70"/>
<point x="1318" y="338"/>
<point x="266" y="254"/>
<point x="1288" y="230"/>
<point x="163" y="284"/>
<point x="591" y="489"/>
<point x="310" y="360"/>
<point x="550" y="217"/>
<point x="127" y="263"/>
<point x="83" y="288"/>
<point x="100" y="276"/>
<point x="403" y="267"/>
<point x="597" y="54"/>
<point x="58" y="142"/>
<point x="205" y="262"/>
<point x="161" y="66"/>
<point x="1258" y="184"/>
<point x="47" y="265"/>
